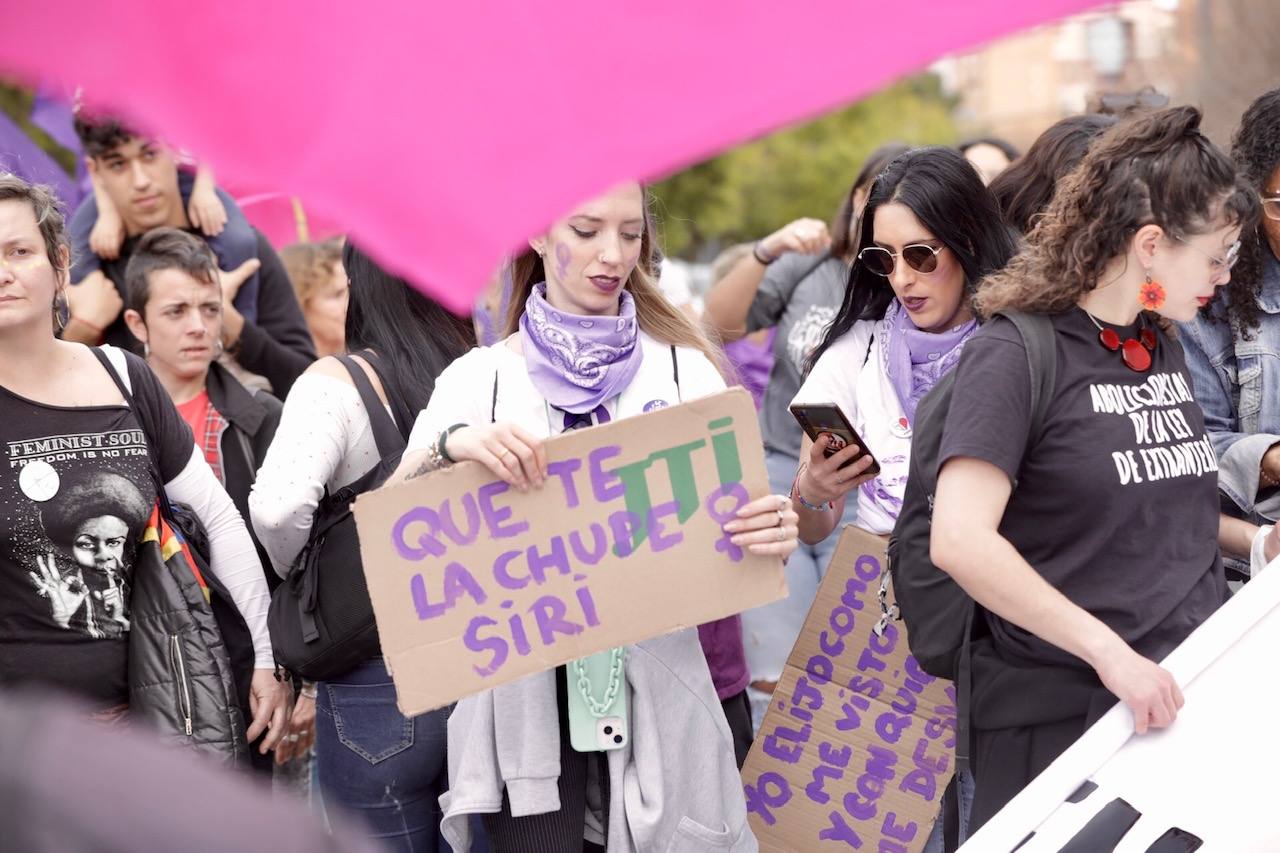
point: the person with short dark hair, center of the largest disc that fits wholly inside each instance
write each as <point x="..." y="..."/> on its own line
<point x="263" y="329"/>
<point x="174" y="307"/>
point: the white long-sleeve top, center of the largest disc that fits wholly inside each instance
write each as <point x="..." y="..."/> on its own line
<point x="324" y="441"/>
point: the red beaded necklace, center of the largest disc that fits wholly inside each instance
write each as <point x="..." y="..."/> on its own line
<point x="1136" y="352"/>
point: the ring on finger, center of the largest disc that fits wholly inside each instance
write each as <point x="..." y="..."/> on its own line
<point x="292" y="738"/>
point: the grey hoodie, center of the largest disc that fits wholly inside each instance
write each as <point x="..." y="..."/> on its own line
<point x="674" y="788"/>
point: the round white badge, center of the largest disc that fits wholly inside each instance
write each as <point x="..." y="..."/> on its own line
<point x="38" y="480"/>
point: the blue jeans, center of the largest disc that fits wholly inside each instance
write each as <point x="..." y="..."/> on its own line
<point x="378" y="765"/>
<point x="769" y="632"/>
<point x="964" y="785"/>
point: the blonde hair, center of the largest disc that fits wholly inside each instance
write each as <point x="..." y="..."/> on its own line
<point x="311" y="265"/>
<point x="656" y="316"/>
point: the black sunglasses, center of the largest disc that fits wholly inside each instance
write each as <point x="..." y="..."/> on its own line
<point x="919" y="256"/>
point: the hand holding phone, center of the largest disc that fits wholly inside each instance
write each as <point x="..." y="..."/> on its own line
<point x="839" y="461"/>
<point x="818" y="419"/>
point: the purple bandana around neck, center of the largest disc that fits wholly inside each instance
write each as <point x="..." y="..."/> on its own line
<point x="577" y="362"/>
<point x="916" y="360"/>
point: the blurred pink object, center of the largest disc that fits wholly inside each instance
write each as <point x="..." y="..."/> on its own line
<point x="282" y="217"/>
<point x="443" y="134"/>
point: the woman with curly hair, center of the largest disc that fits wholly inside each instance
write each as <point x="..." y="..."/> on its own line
<point x="1091" y="546"/>
<point x="1234" y="343"/>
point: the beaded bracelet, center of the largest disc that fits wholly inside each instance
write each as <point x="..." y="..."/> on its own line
<point x="799" y="498"/>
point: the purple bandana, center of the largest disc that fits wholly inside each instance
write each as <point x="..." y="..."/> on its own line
<point x="578" y="362"/>
<point x="914" y="360"/>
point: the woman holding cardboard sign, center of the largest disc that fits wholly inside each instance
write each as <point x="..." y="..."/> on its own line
<point x="591" y="341"/>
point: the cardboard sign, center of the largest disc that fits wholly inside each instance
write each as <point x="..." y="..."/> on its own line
<point x="474" y="584"/>
<point x="858" y="743"/>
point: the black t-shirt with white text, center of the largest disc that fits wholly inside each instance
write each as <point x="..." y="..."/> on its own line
<point x="1116" y="505"/>
<point x="76" y="490"/>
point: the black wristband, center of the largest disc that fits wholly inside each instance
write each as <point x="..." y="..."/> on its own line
<point x="444" y="439"/>
<point x="762" y="257"/>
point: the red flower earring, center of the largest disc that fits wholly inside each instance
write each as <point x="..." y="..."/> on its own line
<point x="1151" y="295"/>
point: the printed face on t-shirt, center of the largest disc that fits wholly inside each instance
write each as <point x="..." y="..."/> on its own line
<point x="589" y="255"/>
<point x="934" y="300"/>
<point x="99" y="543"/>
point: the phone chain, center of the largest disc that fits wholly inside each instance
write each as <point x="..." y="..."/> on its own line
<point x="616" y="658"/>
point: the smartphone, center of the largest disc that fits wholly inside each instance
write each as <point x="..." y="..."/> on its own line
<point x="819" y="418"/>
<point x="598" y="729"/>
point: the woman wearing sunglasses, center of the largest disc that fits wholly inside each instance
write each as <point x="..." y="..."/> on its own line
<point x="929" y="232"/>
<point x="1092" y="545"/>
<point x="1233" y="345"/>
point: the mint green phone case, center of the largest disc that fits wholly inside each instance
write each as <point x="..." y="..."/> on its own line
<point x="602" y="727"/>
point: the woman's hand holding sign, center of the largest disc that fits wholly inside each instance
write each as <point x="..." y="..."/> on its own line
<point x="508" y="450"/>
<point x="767" y="526"/>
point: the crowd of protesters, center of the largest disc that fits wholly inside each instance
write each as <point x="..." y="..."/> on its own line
<point x="157" y="351"/>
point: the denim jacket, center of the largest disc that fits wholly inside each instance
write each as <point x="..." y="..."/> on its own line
<point x="1237" y="383"/>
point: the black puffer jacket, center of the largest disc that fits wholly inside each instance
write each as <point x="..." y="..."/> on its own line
<point x="180" y="679"/>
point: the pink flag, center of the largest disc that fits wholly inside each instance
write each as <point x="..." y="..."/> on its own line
<point x="444" y="133"/>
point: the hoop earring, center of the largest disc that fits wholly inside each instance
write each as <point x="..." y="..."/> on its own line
<point x="217" y="354"/>
<point x="146" y="350"/>
<point x="60" y="311"/>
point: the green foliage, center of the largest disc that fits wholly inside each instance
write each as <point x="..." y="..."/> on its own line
<point x="804" y="170"/>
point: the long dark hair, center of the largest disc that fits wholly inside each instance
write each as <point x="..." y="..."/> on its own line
<point x="945" y="193"/>
<point x="413" y="335"/>
<point x="1256" y="151"/>
<point x="872" y="166"/>
<point x="1025" y="189"/>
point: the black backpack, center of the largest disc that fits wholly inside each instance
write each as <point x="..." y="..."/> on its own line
<point x="938" y="613"/>
<point x="321" y="619"/>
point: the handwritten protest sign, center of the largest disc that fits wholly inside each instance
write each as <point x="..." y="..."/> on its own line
<point x="858" y="743"/>
<point x="474" y="584"/>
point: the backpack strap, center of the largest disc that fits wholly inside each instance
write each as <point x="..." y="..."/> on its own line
<point x="1042" y="360"/>
<point x="386" y="434"/>
<point x="493" y="408"/>
<point x="246" y="447"/>
<point x="675" y="373"/>
<point x="1038" y="338"/>
<point x="119" y="373"/>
